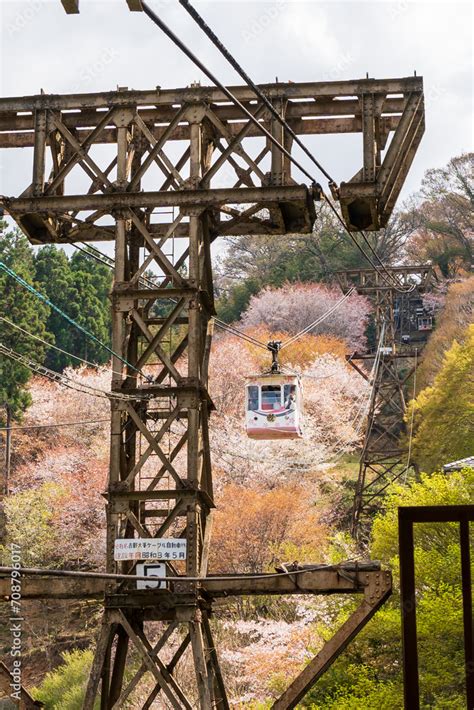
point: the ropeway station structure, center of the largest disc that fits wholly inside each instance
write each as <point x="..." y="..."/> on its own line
<point x="233" y="175"/>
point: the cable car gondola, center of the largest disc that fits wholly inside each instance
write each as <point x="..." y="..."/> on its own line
<point x="274" y="403"/>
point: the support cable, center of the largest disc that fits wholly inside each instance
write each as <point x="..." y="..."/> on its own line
<point x="64" y="315"/>
<point x="53" y="426"/>
<point x="240" y="334"/>
<point x="55" y="347"/>
<point x="176" y="40"/>
<point x="231" y="329"/>
<point x="64" y="380"/>
<point x="319" y="320"/>
<point x="393" y="280"/>
<point x="233" y="62"/>
<point x="210" y="34"/>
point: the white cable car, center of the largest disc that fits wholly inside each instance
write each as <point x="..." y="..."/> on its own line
<point x="274" y="407"/>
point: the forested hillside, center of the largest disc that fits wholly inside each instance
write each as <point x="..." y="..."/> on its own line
<point x="276" y="501"/>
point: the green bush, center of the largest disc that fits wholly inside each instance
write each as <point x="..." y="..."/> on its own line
<point x="29" y="524"/>
<point x="369" y="672"/>
<point x="65" y="687"/>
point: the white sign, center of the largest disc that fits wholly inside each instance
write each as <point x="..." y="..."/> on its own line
<point x="150" y="548"/>
<point x="150" y="570"/>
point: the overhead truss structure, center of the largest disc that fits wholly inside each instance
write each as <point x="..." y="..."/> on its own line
<point x="162" y="173"/>
<point x="384" y="458"/>
<point x="75" y="129"/>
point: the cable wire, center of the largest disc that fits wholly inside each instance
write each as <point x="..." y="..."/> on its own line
<point x="319" y="320"/>
<point x="210" y="34"/>
<point x="64" y="315"/>
<point x="394" y="281"/>
<point x="53" y="426"/>
<point x="62" y="379"/>
<point x="233" y="62"/>
<point x="176" y="40"/>
<point x="55" y="347"/>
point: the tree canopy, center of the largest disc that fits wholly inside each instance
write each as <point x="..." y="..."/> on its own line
<point x="79" y="286"/>
<point x="443" y="217"/>
<point x="24" y="310"/>
<point x="368" y="674"/>
<point x="444" y="412"/>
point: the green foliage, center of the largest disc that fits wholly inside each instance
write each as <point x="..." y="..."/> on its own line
<point x="442" y="216"/>
<point x="23" y="309"/>
<point x="451" y="324"/>
<point x="30" y="515"/>
<point x="368" y="674"/>
<point x="251" y="264"/>
<point x="231" y="305"/>
<point x="444" y="413"/>
<point x="79" y="286"/>
<point x="436" y="545"/>
<point x="362" y="690"/>
<point x="64" y="688"/>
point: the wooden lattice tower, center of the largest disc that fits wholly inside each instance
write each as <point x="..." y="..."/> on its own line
<point x="223" y="179"/>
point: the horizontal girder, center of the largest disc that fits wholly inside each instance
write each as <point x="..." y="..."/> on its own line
<point x="345" y="579"/>
<point x="70" y="127"/>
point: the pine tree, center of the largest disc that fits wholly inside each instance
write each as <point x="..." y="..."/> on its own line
<point x="79" y="287"/>
<point x="23" y="309"/>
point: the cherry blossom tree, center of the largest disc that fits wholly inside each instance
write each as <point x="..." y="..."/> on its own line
<point x="295" y="306"/>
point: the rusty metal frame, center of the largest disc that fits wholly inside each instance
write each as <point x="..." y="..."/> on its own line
<point x="365" y="579"/>
<point x="220" y="147"/>
<point x="70" y="126"/>
<point x="407" y="517"/>
<point x="376" y="593"/>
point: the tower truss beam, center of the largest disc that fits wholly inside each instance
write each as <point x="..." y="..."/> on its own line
<point x="162" y="174"/>
<point x="384" y="458"/>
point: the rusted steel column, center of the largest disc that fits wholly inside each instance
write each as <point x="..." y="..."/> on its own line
<point x="39" y="154"/>
<point x="368" y="135"/>
<point x="411" y="686"/>
<point x="467" y="611"/>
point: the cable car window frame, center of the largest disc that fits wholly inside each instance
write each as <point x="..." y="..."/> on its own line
<point x="252" y="398"/>
<point x="425" y="323"/>
<point x="269" y="406"/>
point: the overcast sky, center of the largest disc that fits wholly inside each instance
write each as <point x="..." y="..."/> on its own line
<point x="106" y="45"/>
